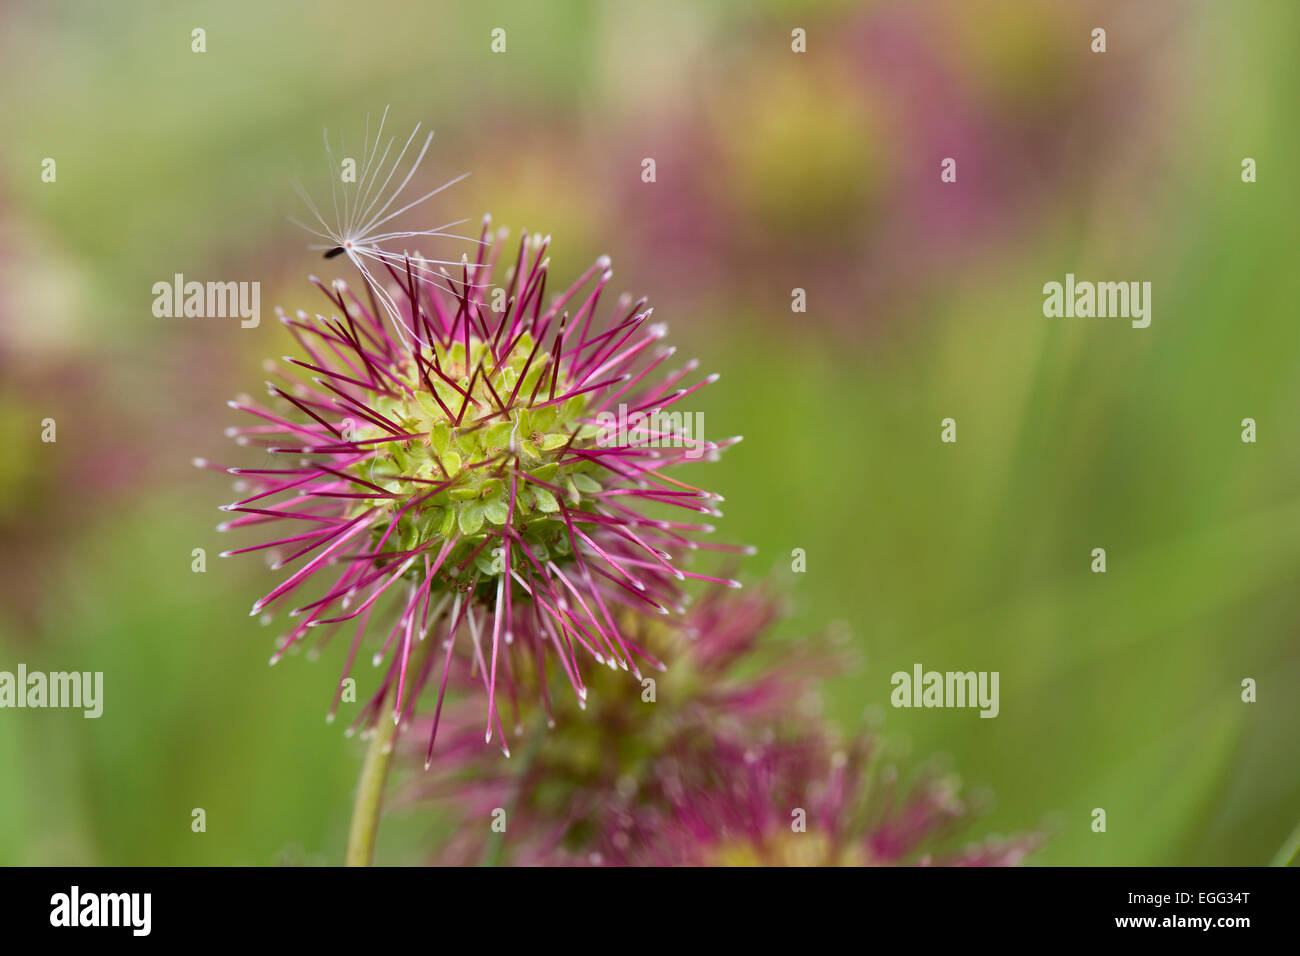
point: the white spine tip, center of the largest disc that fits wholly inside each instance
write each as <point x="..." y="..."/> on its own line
<point x="199" y="462"/>
<point x="604" y="262"/>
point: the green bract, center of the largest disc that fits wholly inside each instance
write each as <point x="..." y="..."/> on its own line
<point x="456" y="481"/>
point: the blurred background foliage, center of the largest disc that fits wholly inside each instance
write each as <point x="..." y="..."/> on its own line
<point x="775" y="171"/>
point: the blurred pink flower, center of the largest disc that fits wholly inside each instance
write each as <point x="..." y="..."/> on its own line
<point x="709" y="767"/>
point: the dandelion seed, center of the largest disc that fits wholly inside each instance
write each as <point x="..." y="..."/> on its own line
<point x="361" y="213"/>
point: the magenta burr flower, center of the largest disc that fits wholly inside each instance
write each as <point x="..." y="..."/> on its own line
<point x="724" y="761"/>
<point x="797" y="802"/>
<point x="441" y="461"/>
<point x="575" y="763"/>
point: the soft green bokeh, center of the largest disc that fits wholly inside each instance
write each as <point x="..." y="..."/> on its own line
<point x="1119" y="691"/>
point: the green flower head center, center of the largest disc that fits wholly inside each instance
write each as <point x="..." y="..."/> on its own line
<point x="785" y="848"/>
<point x="454" y="481"/>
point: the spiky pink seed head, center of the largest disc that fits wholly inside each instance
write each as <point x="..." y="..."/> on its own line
<point x="449" y="461"/>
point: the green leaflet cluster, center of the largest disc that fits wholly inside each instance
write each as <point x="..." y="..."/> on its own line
<point x="476" y="459"/>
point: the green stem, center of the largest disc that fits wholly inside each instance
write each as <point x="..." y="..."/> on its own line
<point x="374" y="774"/>
<point x="370" y="794"/>
<point x="1289" y="849"/>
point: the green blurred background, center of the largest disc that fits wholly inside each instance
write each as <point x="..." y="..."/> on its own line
<point x="775" y="171"/>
